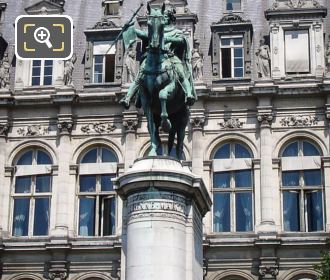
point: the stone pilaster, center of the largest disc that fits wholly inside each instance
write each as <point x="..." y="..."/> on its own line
<point x="326" y="166"/>
<point x="130" y="124"/>
<point x="197" y="121"/>
<point x="268" y="266"/>
<point x="265" y="117"/>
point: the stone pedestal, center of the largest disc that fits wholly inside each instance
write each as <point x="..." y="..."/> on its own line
<point x="164" y="204"/>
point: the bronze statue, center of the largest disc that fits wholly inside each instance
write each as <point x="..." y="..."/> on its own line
<point x="164" y="85"/>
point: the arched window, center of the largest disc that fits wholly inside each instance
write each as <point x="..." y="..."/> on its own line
<point x="97" y="200"/>
<point x="232" y="189"/>
<point x="32" y="193"/>
<point x="302" y="187"/>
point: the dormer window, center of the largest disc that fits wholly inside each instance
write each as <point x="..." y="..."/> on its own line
<point x="111" y="7"/>
<point x="233" y="5"/>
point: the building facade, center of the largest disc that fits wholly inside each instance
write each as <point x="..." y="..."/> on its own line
<point x="259" y="136"/>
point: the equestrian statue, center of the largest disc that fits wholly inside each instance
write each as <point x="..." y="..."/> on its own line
<point x="164" y="85"/>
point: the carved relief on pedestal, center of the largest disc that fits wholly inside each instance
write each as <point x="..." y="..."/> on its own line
<point x="100" y="128"/>
<point x="299" y="120"/>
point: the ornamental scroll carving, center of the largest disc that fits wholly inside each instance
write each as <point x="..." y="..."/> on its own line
<point x="99" y="128"/>
<point x="156" y="203"/>
<point x="299" y="120"/>
<point x="231" y="123"/>
<point x="33" y="130"/>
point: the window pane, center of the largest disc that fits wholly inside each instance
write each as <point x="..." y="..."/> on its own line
<point x="25" y="159"/>
<point x="226" y="63"/>
<point x="109" y="216"/>
<point x="21" y="216"/>
<point x="244" y="212"/>
<point x="312" y="177"/>
<point x="90" y="157"/>
<point x="225" y="42"/>
<point x="36" y="81"/>
<point x="238" y="52"/>
<point x="98" y="78"/>
<point x="238" y="72"/>
<point x="41" y="216"/>
<point x="106" y="183"/>
<point x="110" y="68"/>
<point x="238" y="41"/>
<point x="87" y="216"/>
<point x="108" y="156"/>
<point x="291" y="211"/>
<point x="36" y="63"/>
<point x="238" y="62"/>
<point x="221" y="212"/>
<point x="36" y="71"/>
<point x="223" y="152"/>
<point x="241" y="152"/>
<point x="23" y="184"/>
<point x="221" y="180"/>
<point x="314" y="210"/>
<point x="48" y="71"/>
<point x="48" y="63"/>
<point x="98" y="59"/>
<point x="290" y="178"/>
<point x="309" y="149"/>
<point x="291" y="150"/>
<point x="98" y="69"/>
<point x="43" y="158"/>
<point x="87" y="183"/>
<point x="47" y="80"/>
<point x="233" y="5"/>
<point x="43" y="183"/>
<point x="243" y="179"/>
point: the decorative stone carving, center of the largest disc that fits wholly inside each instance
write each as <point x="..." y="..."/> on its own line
<point x="232" y="18"/>
<point x="263" y="60"/>
<point x="197" y="122"/>
<point x="130" y="125"/>
<point x="100" y="128"/>
<point x="68" y="70"/>
<point x="197" y="61"/>
<point x="299" y="120"/>
<point x="4" y="129"/>
<point x="327" y="56"/>
<point x="105" y="23"/>
<point x="232" y="123"/>
<point x="265" y="270"/>
<point x="65" y="126"/>
<point x="130" y="65"/>
<point x="4" y="71"/>
<point x="265" y="119"/>
<point x="57" y="270"/>
<point x="33" y="130"/>
<point x="295" y="4"/>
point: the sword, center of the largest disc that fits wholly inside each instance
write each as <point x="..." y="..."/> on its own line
<point x="126" y="25"/>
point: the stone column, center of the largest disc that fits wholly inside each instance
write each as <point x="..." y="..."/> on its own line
<point x="197" y="121"/>
<point x="162" y="220"/>
<point x="64" y="185"/>
<point x="265" y="118"/>
<point x="130" y="123"/>
<point x="326" y="166"/>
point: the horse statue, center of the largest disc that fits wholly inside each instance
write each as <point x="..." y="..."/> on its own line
<point x="164" y="86"/>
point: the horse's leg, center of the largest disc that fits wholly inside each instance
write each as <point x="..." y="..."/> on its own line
<point x="163" y="94"/>
<point x="183" y="121"/>
<point x="153" y="130"/>
<point x="171" y="137"/>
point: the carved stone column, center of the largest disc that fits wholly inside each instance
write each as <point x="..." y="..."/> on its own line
<point x="164" y="204"/>
<point x="197" y="121"/>
<point x="326" y="166"/>
<point x="4" y="129"/>
<point x="65" y="183"/>
<point x="265" y="118"/>
<point x="130" y="123"/>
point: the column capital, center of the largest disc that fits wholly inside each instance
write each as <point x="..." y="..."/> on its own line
<point x="57" y="270"/>
<point x="130" y="121"/>
<point x="265" y="115"/>
<point x="64" y="123"/>
<point x="268" y="267"/>
<point x="197" y="119"/>
<point x="4" y="129"/>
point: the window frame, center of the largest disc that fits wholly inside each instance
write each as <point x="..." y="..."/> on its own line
<point x="32" y="195"/>
<point x="99" y="196"/>
<point x="302" y="189"/>
<point x="233" y="10"/>
<point x="42" y="73"/>
<point x="233" y="191"/>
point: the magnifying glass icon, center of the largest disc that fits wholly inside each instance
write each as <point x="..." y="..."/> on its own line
<point x="42" y="35"/>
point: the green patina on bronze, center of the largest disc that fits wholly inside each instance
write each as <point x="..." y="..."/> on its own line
<point x="164" y="86"/>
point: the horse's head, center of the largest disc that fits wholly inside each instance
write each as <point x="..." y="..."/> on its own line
<point x="156" y="23"/>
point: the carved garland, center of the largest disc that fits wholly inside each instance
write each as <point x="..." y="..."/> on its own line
<point x="100" y="128"/>
<point x="299" y="120"/>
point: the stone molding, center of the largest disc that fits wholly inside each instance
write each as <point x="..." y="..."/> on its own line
<point x="299" y="120"/>
<point x="232" y="123"/>
<point x="57" y="270"/>
<point x="98" y="128"/>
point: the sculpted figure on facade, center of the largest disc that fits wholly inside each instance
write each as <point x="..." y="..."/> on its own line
<point x="327" y="56"/>
<point x="4" y="71"/>
<point x="130" y="65"/>
<point x="68" y="70"/>
<point x="197" y="60"/>
<point x="263" y="60"/>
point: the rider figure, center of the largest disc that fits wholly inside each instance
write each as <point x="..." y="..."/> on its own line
<point x="175" y="42"/>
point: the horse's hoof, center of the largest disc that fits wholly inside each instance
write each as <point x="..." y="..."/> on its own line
<point x="190" y="101"/>
<point x="152" y="153"/>
<point x="166" y="125"/>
